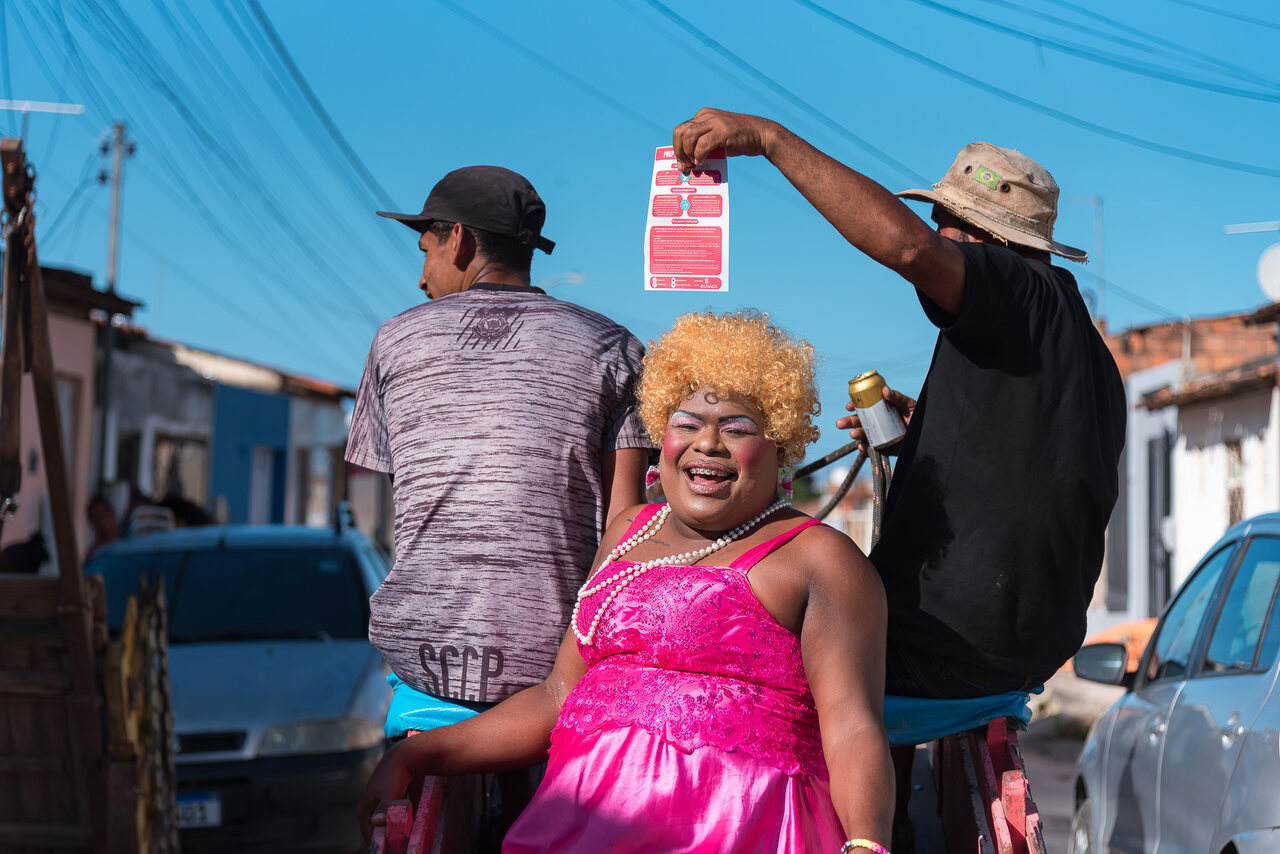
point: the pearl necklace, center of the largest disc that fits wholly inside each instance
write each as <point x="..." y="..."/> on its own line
<point x="631" y="573"/>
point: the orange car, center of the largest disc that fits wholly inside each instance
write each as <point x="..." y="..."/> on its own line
<point x="1134" y="635"/>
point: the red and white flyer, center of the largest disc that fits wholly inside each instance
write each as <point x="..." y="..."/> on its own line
<point x="686" y="240"/>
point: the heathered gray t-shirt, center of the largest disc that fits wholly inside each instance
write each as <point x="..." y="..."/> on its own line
<point x="492" y="409"/>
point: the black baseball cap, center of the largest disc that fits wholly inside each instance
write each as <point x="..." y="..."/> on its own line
<point x="489" y="198"/>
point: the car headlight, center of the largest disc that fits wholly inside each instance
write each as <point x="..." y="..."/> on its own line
<point x="335" y="736"/>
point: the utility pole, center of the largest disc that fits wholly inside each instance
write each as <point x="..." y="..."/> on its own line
<point x="120" y="147"/>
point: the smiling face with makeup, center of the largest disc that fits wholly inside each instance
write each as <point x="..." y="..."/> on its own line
<point x="718" y="469"/>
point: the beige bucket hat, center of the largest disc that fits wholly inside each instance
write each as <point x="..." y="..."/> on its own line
<point x="1002" y="191"/>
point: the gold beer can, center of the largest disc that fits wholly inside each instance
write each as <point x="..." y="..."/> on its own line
<point x="881" y="422"/>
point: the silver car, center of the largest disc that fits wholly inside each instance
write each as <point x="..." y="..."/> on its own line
<point x="1188" y="760"/>
<point x="278" y="698"/>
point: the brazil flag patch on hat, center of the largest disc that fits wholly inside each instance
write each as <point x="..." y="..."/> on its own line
<point x="983" y="175"/>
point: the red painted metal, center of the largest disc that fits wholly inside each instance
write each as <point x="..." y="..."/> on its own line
<point x="426" y="836"/>
<point x="984" y="795"/>
<point x="986" y="769"/>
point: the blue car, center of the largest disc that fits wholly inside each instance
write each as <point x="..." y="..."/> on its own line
<point x="278" y="698"/>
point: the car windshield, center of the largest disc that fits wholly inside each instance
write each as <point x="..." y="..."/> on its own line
<point x="245" y="594"/>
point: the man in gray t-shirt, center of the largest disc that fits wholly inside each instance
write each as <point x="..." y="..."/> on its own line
<point x="506" y="420"/>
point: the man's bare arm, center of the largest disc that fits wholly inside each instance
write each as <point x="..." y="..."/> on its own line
<point x="623" y="479"/>
<point x="870" y="217"/>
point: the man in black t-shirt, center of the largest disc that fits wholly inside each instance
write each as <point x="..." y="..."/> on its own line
<point x="992" y="535"/>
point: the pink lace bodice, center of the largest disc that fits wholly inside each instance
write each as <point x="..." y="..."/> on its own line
<point x="691" y="655"/>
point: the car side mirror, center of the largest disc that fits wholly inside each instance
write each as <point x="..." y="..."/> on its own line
<point x="1104" y="662"/>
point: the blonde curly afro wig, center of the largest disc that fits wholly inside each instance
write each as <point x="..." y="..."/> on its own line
<point x="740" y="353"/>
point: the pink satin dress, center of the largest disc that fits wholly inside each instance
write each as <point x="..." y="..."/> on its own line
<point x="693" y="729"/>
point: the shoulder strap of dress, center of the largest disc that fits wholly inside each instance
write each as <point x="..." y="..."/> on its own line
<point x="753" y="556"/>
<point x="641" y="518"/>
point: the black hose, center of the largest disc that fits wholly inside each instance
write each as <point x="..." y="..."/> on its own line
<point x="845" y="484"/>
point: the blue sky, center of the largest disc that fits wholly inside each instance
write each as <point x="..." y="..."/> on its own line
<point x="248" y="205"/>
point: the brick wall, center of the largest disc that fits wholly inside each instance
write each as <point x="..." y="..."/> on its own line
<point x="1216" y="344"/>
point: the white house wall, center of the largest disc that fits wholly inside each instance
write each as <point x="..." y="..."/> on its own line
<point x="319" y="426"/>
<point x="1200" y="469"/>
<point x="152" y="395"/>
<point x="72" y="342"/>
<point x="1129" y="553"/>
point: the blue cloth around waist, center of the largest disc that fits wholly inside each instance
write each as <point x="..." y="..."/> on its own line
<point x="413" y="710"/>
<point x="917" y="720"/>
<point x="908" y="720"/>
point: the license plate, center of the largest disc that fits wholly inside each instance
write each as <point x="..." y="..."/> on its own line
<point x="199" y="809"/>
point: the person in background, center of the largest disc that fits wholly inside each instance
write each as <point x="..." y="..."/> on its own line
<point x="103" y="522"/>
<point x="506" y="420"/>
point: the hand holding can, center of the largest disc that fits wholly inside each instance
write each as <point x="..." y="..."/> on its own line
<point x="882" y="423"/>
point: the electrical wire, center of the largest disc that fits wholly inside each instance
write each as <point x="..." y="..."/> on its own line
<point x="65" y="214"/>
<point x="883" y="156"/>
<point x="1143" y="40"/>
<point x="119" y="33"/>
<point x="206" y="61"/>
<point x="194" y="202"/>
<point x="1257" y="22"/>
<point x="52" y="228"/>
<point x="595" y="92"/>
<point x="64" y="41"/>
<point x="382" y="196"/>
<point x="1154" y="72"/>
<point x="1137" y="299"/>
<point x="4" y="54"/>
<point x="300" y="332"/>
<point x="184" y="196"/>
<point x="558" y="70"/>
<point x="260" y="40"/>
<point x="704" y="59"/>
<point x="212" y="294"/>
<point x="1004" y="94"/>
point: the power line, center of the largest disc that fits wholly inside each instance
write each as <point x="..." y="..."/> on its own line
<point x="122" y="34"/>
<point x="1138" y="299"/>
<point x="4" y="53"/>
<point x="365" y="191"/>
<point x="569" y="77"/>
<point x="593" y="91"/>
<point x="878" y="153"/>
<point x="1101" y="130"/>
<point x="309" y="300"/>
<point x="703" y="59"/>
<point x="205" y="290"/>
<point x="1257" y="22"/>
<point x="1080" y="52"/>
<point x="1205" y="60"/>
<point x="257" y="45"/>
<point x="193" y="201"/>
<point x="86" y="180"/>
<point x="383" y="198"/>
<point x="209" y="62"/>
<point x="212" y="294"/>
<point x="57" y="26"/>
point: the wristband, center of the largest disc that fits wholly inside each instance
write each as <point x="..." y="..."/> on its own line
<point x="873" y="847"/>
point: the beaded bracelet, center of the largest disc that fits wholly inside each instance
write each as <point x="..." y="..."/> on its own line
<point x="873" y="847"/>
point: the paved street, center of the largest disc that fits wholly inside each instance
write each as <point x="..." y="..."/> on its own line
<point x="1050" y="763"/>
